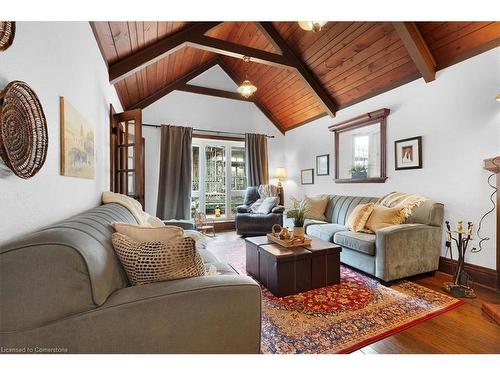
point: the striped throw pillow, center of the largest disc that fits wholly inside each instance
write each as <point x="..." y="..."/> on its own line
<point x="359" y="216"/>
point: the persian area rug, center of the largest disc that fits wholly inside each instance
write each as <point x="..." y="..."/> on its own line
<point x="340" y="318"/>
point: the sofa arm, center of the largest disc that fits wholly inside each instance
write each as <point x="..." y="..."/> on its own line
<point x="243" y="209"/>
<point x="278" y="210"/>
<point x="208" y="314"/>
<point x="407" y="249"/>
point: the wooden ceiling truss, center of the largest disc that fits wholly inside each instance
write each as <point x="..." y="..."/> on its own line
<point x="301" y="76"/>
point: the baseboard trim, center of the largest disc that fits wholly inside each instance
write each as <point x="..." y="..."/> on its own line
<point x="483" y="276"/>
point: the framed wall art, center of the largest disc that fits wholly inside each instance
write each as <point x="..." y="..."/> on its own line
<point x="323" y="165"/>
<point x="408" y="153"/>
<point x="307" y="176"/>
<point x="77" y="143"/>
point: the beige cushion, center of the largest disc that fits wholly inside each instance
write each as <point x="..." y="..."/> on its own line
<point x="383" y="217"/>
<point x="149" y="262"/>
<point x="359" y="216"/>
<point x="167" y="233"/>
<point x="315" y="207"/>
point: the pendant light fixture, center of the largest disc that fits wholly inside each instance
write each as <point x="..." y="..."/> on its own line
<point x="246" y="89"/>
<point x="314" y="26"/>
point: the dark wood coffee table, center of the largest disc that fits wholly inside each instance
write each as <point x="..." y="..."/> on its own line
<point x="285" y="271"/>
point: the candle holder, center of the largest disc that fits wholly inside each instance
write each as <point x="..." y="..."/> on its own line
<point x="461" y="285"/>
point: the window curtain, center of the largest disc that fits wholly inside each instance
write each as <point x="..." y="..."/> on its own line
<point x="174" y="186"/>
<point x="256" y="159"/>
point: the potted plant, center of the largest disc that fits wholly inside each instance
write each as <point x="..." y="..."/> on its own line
<point x="298" y="215"/>
<point x="359" y="171"/>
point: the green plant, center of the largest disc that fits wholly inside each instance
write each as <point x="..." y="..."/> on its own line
<point x="298" y="215"/>
<point x="358" y="169"/>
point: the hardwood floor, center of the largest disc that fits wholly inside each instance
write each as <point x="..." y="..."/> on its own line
<point x="463" y="330"/>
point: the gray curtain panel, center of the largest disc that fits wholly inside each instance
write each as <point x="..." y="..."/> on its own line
<point x="174" y="186"/>
<point x="256" y="159"/>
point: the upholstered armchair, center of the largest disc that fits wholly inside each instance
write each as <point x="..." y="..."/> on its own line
<point x="251" y="223"/>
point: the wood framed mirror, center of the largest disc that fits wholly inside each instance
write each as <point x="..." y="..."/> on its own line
<point x="360" y="147"/>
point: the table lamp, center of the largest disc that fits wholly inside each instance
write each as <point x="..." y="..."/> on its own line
<point x="281" y="176"/>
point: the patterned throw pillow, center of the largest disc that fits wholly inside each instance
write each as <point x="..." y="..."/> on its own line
<point x="149" y="262"/>
<point x="383" y="217"/>
<point x="359" y="216"/>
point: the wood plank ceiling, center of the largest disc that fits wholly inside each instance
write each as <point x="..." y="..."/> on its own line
<point x="351" y="61"/>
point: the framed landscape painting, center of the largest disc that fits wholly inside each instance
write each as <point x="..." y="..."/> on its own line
<point x="408" y="153"/>
<point x="77" y="143"/>
<point x="307" y="176"/>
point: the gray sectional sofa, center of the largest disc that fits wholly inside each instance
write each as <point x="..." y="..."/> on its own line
<point x="63" y="289"/>
<point x="391" y="253"/>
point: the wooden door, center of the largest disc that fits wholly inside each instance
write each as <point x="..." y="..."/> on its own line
<point x="127" y="154"/>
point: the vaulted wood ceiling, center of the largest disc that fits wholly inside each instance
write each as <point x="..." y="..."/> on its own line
<point x="300" y="75"/>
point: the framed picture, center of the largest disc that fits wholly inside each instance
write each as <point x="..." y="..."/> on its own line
<point x="77" y="143"/>
<point x="323" y="165"/>
<point x="408" y="153"/>
<point x="307" y="176"/>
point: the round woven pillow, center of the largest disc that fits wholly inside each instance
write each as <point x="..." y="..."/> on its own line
<point x="23" y="130"/>
<point x="7" y="32"/>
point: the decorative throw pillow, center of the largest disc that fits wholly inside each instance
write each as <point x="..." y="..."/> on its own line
<point x="268" y="191"/>
<point x="153" y="261"/>
<point x="383" y="217"/>
<point x="359" y="216"/>
<point x="167" y="233"/>
<point x="267" y="205"/>
<point x="255" y="205"/>
<point x="315" y="207"/>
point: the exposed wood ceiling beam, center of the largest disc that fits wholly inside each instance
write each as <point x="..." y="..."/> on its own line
<point x="213" y="92"/>
<point x="226" y="48"/>
<point x="181" y="84"/>
<point x="269" y="38"/>
<point x="304" y="73"/>
<point x="175" y="84"/>
<point x="156" y="51"/>
<point x="417" y="49"/>
<point x="256" y="101"/>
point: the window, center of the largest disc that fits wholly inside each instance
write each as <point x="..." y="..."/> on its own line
<point x="219" y="180"/>
<point x="361" y="149"/>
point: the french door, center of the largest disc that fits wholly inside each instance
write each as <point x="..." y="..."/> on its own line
<point x="127" y="154"/>
<point x="219" y="180"/>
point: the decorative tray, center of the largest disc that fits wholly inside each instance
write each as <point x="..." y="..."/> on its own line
<point x="292" y="242"/>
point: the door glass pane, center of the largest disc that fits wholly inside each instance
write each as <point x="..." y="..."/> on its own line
<point x="195" y="172"/>
<point x="130" y="157"/>
<point x="215" y="180"/>
<point x="131" y="184"/>
<point x="195" y="205"/>
<point x="238" y="177"/>
<point x="131" y="131"/>
<point x="236" y="200"/>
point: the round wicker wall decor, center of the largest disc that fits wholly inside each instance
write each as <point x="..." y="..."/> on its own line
<point x="7" y="32"/>
<point x="23" y="130"/>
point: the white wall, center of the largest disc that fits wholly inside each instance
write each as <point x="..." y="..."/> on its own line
<point x="57" y="59"/>
<point x="204" y="112"/>
<point x="459" y="120"/>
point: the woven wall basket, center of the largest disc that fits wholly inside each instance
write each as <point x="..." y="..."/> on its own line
<point x="7" y="32"/>
<point x="23" y="130"/>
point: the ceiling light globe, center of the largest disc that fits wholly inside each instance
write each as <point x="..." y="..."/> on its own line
<point x="314" y="26"/>
<point x="247" y="89"/>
